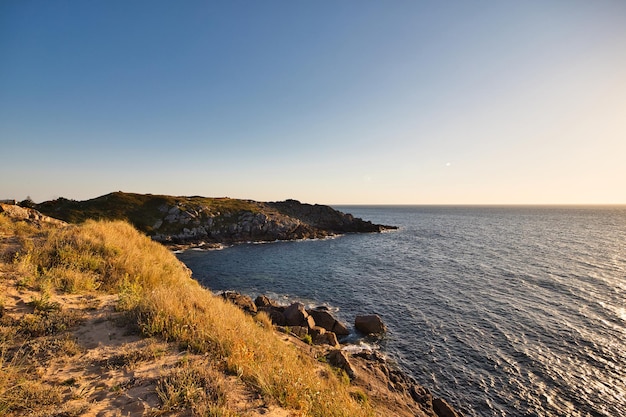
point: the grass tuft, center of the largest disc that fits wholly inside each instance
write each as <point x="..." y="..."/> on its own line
<point x="193" y="385"/>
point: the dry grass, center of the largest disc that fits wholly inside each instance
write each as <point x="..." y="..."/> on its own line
<point x="159" y="295"/>
<point x="20" y="388"/>
<point x="194" y="385"/>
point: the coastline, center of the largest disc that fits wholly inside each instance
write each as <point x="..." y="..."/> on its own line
<point x="129" y="364"/>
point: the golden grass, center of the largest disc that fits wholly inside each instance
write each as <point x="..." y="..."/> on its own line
<point x="164" y="301"/>
<point x="20" y="389"/>
<point x="194" y="385"/>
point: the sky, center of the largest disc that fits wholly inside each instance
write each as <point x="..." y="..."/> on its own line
<point x="331" y="102"/>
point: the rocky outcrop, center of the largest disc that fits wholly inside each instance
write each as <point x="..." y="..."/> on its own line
<point x="273" y="221"/>
<point x="28" y="215"/>
<point x="326" y="218"/>
<point x="200" y="220"/>
<point x="294" y="318"/>
<point x="179" y="226"/>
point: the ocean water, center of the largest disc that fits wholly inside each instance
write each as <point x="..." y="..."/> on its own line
<point x="504" y="311"/>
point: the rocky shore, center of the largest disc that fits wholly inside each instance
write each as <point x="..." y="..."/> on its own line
<point x="319" y="333"/>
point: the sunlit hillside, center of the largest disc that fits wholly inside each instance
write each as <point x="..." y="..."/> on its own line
<point x="57" y="278"/>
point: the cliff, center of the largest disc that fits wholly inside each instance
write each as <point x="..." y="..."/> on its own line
<point x="197" y="220"/>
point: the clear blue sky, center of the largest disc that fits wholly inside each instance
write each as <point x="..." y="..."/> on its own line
<point x="414" y="102"/>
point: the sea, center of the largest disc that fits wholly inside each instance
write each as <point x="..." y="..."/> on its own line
<point x="502" y="311"/>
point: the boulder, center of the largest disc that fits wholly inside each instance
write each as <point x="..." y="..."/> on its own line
<point x="340" y="329"/>
<point x="296" y="315"/>
<point x="323" y="318"/>
<point x="372" y="356"/>
<point x="242" y="301"/>
<point x="326" y="320"/>
<point x="264" y="301"/>
<point x="369" y="324"/>
<point x="421" y="395"/>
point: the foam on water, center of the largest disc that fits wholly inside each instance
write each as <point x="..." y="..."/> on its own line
<point x="504" y="311"/>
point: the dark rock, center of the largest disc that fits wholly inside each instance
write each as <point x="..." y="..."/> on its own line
<point x="264" y="301"/>
<point x="326" y="320"/>
<point x="296" y="315"/>
<point x="369" y="324"/>
<point x="371" y="355"/>
<point x="316" y="331"/>
<point x="340" y="329"/>
<point x="275" y="315"/>
<point x="328" y="338"/>
<point x="323" y="318"/>
<point x="325" y="218"/>
<point x="443" y="409"/>
<point x="242" y="301"/>
<point x="299" y="331"/>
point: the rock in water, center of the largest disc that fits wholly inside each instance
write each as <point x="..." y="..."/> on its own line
<point x="369" y="324"/>
<point x="326" y="320"/>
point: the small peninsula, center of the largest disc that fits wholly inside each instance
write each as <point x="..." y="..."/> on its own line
<point x="196" y="221"/>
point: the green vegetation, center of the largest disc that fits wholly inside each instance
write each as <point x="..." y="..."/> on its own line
<point x="162" y="301"/>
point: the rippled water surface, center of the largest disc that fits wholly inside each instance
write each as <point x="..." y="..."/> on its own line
<point x="503" y="311"/>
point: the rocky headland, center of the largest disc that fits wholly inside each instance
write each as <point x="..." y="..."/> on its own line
<point x="198" y="221"/>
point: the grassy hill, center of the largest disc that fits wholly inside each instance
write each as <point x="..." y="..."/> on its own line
<point x="59" y="283"/>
